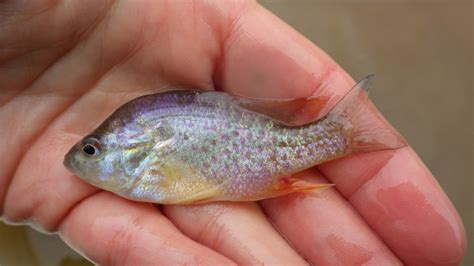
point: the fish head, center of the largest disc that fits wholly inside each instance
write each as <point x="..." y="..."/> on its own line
<point x="96" y="159"/>
<point x="114" y="158"/>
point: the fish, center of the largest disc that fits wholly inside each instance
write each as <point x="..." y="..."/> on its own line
<point x="195" y="146"/>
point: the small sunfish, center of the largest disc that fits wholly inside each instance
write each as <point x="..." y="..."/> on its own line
<point x="197" y="146"/>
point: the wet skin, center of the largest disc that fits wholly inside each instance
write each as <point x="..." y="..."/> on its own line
<point x="64" y="67"/>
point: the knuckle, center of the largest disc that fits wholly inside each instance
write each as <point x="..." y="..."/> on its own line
<point x="213" y="230"/>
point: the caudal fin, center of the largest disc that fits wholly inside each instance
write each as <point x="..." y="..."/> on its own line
<point x="367" y="129"/>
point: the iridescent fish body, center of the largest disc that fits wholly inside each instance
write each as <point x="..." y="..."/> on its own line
<point x="200" y="146"/>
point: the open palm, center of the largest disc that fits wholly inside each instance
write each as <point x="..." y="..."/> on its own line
<point x="66" y="65"/>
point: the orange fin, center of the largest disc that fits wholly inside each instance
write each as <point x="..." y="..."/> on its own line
<point x="289" y="185"/>
<point x="290" y="112"/>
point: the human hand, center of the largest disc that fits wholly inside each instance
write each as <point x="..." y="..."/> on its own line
<point x="65" y="66"/>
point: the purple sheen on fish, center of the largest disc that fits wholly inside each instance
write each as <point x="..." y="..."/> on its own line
<point x="191" y="146"/>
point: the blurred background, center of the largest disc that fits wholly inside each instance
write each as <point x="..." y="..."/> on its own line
<point x="422" y="54"/>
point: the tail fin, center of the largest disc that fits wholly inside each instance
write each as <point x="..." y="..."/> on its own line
<point x="365" y="126"/>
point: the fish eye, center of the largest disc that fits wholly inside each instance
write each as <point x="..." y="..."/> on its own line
<point x="91" y="147"/>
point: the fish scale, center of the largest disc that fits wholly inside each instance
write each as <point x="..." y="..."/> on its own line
<point x="251" y="154"/>
<point x="193" y="146"/>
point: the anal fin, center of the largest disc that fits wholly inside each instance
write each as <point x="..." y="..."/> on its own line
<point x="290" y="185"/>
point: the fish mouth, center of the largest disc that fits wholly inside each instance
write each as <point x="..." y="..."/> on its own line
<point x="68" y="161"/>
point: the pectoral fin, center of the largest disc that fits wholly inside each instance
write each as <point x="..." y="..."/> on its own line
<point x="185" y="185"/>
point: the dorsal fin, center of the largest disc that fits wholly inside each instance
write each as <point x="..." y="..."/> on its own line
<point x="290" y="112"/>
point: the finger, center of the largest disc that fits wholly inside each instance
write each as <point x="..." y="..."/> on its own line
<point x="278" y="62"/>
<point x="43" y="194"/>
<point x="400" y="200"/>
<point x="112" y="231"/>
<point x="42" y="190"/>
<point x="326" y="228"/>
<point x="92" y="45"/>
<point x="30" y="50"/>
<point x="239" y="231"/>
<point x="301" y="223"/>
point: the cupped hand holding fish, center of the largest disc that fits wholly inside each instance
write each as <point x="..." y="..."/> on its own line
<point x="81" y="61"/>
